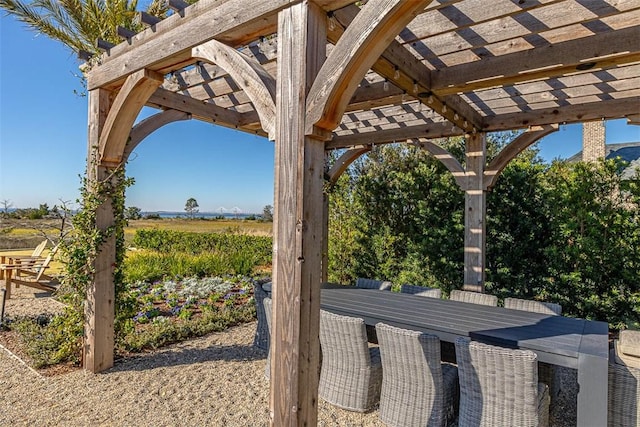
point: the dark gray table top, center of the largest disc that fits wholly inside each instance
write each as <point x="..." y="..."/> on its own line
<point x="556" y="339"/>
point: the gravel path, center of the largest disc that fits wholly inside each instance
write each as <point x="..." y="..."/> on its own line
<point x="216" y="380"/>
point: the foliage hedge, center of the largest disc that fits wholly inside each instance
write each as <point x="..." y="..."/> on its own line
<point x="167" y="241"/>
<point x="561" y="232"/>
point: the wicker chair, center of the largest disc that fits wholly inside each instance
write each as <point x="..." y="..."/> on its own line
<point x="534" y="306"/>
<point x="351" y="373"/>
<point x="547" y="373"/>
<point x="624" y="381"/>
<point x="499" y="387"/>
<point x="421" y="291"/>
<point x="261" y="338"/>
<point x="267" y="311"/>
<point x="417" y="390"/>
<point x="373" y="284"/>
<point x="473" y="297"/>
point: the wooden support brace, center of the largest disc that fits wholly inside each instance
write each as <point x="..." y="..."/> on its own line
<point x="343" y="162"/>
<point x="130" y="99"/>
<point x="509" y="152"/>
<point x="151" y="124"/>
<point x="249" y="74"/>
<point x="369" y="34"/>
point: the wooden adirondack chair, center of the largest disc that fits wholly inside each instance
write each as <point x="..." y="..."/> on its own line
<point x="23" y="259"/>
<point x="30" y="274"/>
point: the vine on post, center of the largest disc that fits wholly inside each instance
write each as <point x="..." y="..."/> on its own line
<point x="81" y="251"/>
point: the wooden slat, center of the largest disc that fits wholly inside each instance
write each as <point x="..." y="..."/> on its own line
<point x="125" y="33"/>
<point x="148" y="19"/>
<point x="608" y="49"/>
<point x="506" y="34"/>
<point x="169" y="44"/>
<point x="463" y="15"/>
<point x="178" y="5"/>
<point x="611" y="109"/>
<point x="173" y="38"/>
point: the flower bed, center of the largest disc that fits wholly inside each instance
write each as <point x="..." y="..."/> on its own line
<point x="163" y="300"/>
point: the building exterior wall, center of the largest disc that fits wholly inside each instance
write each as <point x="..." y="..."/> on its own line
<point x="593" y="141"/>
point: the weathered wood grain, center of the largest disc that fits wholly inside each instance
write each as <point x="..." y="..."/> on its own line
<point x="298" y="223"/>
<point x="475" y="199"/>
<point x="364" y="40"/>
<point x="511" y="150"/>
<point x="99" y="306"/>
<point x="123" y="112"/>
<point x="249" y="74"/>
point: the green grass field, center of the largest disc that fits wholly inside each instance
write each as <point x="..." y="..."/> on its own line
<point x="19" y="237"/>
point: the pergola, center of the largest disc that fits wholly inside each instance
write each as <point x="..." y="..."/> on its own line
<point x="321" y="75"/>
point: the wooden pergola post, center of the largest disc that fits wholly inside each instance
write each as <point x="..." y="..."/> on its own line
<point x="99" y="307"/>
<point x="475" y="199"/>
<point x="298" y="222"/>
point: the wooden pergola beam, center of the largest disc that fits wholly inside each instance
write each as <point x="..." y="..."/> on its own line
<point x="249" y="74"/>
<point x="400" y="134"/>
<point x="124" y="110"/>
<point x="170" y="42"/>
<point x="198" y="109"/>
<point x="602" y="109"/>
<point x="399" y="66"/>
<point x="603" y="50"/>
<point x="369" y="34"/>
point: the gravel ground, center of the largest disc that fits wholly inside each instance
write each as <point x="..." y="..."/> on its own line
<point x="216" y="380"/>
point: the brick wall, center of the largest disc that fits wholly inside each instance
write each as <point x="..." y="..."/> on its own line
<point x="593" y="141"/>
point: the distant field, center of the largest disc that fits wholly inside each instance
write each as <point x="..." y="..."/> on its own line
<point x="26" y="234"/>
<point x="202" y="226"/>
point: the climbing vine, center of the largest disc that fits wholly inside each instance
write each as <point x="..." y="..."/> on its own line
<point x="80" y="252"/>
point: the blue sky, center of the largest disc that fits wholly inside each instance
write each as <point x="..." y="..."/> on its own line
<point x="43" y="137"/>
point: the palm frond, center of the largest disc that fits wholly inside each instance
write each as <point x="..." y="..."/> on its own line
<point x="41" y="23"/>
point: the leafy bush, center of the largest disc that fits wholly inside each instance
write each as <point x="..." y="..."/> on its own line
<point x="49" y="341"/>
<point x="567" y="233"/>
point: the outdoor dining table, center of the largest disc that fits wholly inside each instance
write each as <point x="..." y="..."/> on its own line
<point x="575" y="343"/>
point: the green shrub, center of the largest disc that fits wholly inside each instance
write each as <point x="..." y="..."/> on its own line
<point x="164" y="332"/>
<point x="49" y="341"/>
<point x="168" y="241"/>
